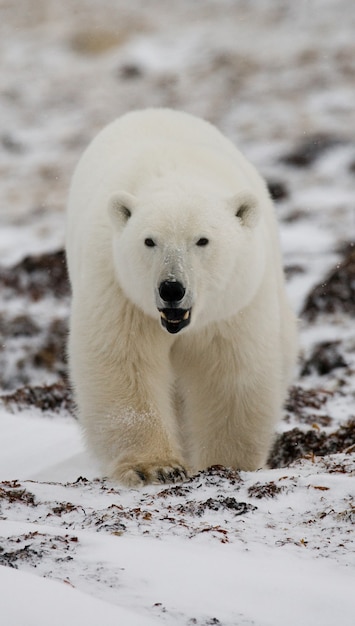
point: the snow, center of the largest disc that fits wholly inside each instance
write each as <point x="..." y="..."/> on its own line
<point x="268" y="548"/>
<point x="240" y="583"/>
<point x="56" y="451"/>
<point x="45" y="602"/>
<point x="229" y="589"/>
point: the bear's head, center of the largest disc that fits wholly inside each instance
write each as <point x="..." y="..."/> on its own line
<point x="188" y="257"/>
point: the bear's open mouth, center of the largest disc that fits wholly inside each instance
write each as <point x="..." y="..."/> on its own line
<point x="175" y="319"/>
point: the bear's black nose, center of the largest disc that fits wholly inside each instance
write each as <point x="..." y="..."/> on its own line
<point x="171" y="291"/>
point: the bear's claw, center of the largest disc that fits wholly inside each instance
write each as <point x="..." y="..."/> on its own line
<point x="150" y="474"/>
<point x="158" y="475"/>
<point x="171" y="475"/>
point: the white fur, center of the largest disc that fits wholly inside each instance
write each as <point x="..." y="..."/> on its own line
<point x="153" y="403"/>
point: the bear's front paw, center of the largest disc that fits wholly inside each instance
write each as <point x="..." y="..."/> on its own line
<point x="140" y="474"/>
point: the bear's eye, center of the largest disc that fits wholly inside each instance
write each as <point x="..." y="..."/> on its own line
<point x="203" y="241"/>
<point x="149" y="242"/>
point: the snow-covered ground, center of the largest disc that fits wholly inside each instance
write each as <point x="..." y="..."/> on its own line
<point x="269" y="548"/>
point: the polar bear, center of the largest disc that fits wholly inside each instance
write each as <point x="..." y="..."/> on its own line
<point x="182" y="341"/>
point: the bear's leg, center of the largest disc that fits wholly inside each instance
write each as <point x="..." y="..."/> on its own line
<point x="230" y="410"/>
<point x="235" y="430"/>
<point x="138" y="446"/>
<point x="123" y="387"/>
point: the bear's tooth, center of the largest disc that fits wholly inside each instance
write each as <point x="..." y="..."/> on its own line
<point x="186" y="315"/>
<point x="162" y="314"/>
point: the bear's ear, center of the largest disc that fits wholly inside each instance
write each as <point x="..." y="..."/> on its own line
<point x="120" y="208"/>
<point x="246" y="208"/>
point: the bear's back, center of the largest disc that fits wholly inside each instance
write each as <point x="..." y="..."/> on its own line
<point x="148" y="125"/>
<point x="132" y="144"/>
